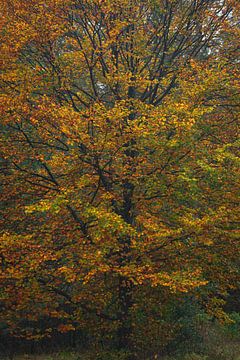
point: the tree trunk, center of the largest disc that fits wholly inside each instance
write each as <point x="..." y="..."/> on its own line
<point x="125" y="326"/>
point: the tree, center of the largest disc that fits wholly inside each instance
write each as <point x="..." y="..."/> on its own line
<point x="120" y="159"/>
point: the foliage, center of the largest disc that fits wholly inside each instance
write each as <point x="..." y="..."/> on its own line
<point x="120" y="158"/>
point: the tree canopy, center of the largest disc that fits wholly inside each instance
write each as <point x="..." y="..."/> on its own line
<point x="119" y="154"/>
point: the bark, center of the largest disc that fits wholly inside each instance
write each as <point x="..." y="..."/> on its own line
<point x="125" y="288"/>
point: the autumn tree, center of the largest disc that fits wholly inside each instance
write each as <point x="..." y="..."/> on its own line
<point x="119" y="152"/>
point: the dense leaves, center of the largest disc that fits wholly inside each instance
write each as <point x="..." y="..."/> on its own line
<point x="119" y="164"/>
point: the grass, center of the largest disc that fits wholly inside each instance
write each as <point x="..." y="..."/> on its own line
<point x="218" y="343"/>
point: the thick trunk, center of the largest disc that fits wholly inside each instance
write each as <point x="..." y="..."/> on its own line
<point x="125" y="327"/>
<point x="125" y="295"/>
<point x="125" y="286"/>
